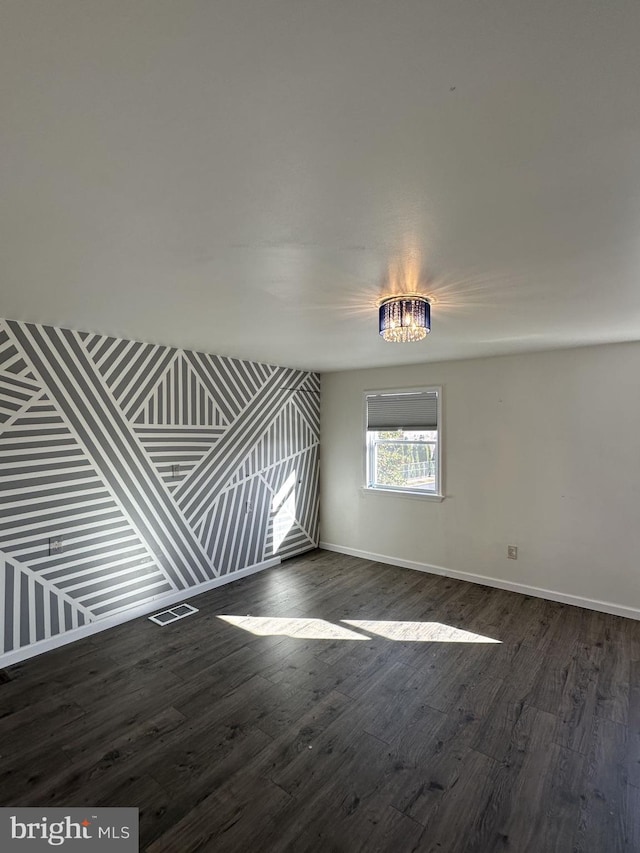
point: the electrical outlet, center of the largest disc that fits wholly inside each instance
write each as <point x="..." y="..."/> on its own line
<point x="512" y="552"/>
<point x="249" y="506"/>
<point x="56" y="545"/>
<point x="175" y="470"/>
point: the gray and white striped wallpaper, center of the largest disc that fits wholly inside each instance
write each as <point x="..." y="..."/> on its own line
<point x="160" y="468"/>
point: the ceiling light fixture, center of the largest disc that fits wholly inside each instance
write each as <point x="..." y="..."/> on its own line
<point x="404" y="319"/>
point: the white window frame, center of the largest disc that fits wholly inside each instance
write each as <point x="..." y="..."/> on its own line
<point x="402" y="491"/>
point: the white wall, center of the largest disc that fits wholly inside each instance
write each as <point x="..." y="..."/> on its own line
<point x="540" y="450"/>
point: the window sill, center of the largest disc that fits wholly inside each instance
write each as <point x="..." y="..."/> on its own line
<point x="402" y="493"/>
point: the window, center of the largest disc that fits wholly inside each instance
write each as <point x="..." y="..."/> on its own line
<point x="403" y="441"/>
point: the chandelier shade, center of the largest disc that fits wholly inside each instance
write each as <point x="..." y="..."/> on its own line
<point x="405" y="319"/>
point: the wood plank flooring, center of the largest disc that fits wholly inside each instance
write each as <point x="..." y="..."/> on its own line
<point x="340" y="707"/>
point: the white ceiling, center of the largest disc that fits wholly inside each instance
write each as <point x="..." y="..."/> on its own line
<point x="249" y="177"/>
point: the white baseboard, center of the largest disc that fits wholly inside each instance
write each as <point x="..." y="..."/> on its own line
<point x="524" y="589"/>
<point x="126" y="615"/>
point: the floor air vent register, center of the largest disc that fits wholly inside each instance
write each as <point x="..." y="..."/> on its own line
<point x="165" y="617"/>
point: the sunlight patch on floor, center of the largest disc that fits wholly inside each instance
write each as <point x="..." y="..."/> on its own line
<point x="417" y="632"/>
<point x="366" y="629"/>
<point x="303" y="629"/>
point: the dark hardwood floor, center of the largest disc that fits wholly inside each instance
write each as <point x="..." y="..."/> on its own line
<point x="340" y="738"/>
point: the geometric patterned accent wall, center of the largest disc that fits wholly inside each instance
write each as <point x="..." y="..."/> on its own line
<point x="160" y="468"/>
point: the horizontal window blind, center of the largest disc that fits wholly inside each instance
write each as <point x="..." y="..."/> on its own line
<point x="415" y="410"/>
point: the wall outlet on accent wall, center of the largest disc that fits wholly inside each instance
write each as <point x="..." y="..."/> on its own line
<point x="512" y="552"/>
<point x="56" y="545"/>
<point x="175" y="470"/>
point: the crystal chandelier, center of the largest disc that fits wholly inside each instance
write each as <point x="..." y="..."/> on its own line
<point x="404" y="319"/>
